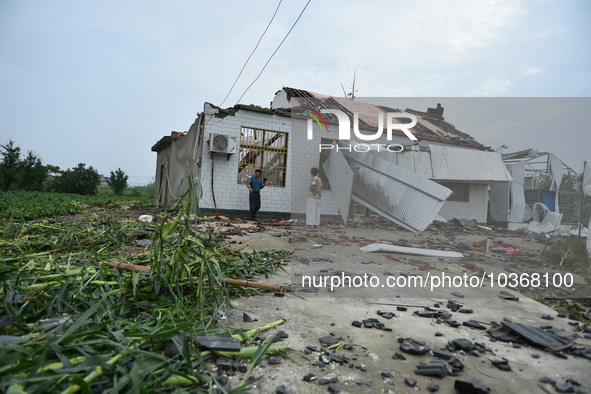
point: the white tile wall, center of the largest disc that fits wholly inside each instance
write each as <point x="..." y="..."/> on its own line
<point x="476" y="208"/>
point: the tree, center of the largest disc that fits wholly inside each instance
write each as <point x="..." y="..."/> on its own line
<point x="80" y="180"/>
<point x="10" y="165"/>
<point x="117" y="181"/>
<point x="32" y="172"/>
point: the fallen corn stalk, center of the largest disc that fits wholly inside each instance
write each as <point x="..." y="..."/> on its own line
<point x="248" y="352"/>
<point x="234" y="282"/>
<point x="256" y="285"/>
<point x="125" y="266"/>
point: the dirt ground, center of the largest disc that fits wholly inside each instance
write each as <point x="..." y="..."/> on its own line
<point x="312" y="312"/>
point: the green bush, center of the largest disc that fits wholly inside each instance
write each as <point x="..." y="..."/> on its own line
<point x="117" y="181"/>
<point x="79" y="180"/>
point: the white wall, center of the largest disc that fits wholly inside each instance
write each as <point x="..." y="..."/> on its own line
<point x="302" y="156"/>
<point x="476" y="208"/>
<point x="229" y="194"/>
<point x="306" y="155"/>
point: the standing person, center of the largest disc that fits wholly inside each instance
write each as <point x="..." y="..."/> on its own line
<point x="314" y="194"/>
<point x="255" y="184"/>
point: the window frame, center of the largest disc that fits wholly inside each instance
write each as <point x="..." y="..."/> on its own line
<point x="461" y="191"/>
<point x="246" y="170"/>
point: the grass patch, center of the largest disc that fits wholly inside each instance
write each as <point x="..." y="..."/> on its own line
<point x="572" y="254"/>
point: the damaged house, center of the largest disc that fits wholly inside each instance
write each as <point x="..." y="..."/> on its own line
<point x="535" y="192"/>
<point x="223" y="147"/>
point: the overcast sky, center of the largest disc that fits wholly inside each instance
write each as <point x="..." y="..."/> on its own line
<point x="101" y="82"/>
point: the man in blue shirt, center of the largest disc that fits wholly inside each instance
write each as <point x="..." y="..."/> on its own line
<point x="255" y="184"/>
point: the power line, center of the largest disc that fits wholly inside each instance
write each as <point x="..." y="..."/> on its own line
<point x="267" y="63"/>
<point x="252" y="53"/>
<point x="279" y="46"/>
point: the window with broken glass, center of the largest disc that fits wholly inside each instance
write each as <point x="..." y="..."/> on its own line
<point x="461" y="191"/>
<point x="265" y="150"/>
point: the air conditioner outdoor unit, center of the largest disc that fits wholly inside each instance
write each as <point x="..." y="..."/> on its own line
<point x="222" y="143"/>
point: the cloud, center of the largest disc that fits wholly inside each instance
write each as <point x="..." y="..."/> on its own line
<point x="532" y="71"/>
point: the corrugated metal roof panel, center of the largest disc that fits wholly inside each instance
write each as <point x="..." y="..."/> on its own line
<point x="423" y="165"/>
<point x="451" y="163"/>
<point x="394" y="192"/>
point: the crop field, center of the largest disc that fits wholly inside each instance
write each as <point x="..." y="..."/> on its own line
<point x="85" y="308"/>
<point x="21" y="205"/>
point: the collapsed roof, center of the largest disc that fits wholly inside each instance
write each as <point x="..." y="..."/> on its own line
<point x="431" y="125"/>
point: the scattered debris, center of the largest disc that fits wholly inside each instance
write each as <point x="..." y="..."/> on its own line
<point x="473" y="386"/>
<point x="330" y="377"/>
<point x="378" y="247"/>
<point x="283" y="390"/>
<point x="218" y="342"/>
<point x="565" y="387"/>
<point x="463" y="344"/>
<point x="142" y="243"/>
<point x="508" y="296"/>
<point x="474" y="324"/>
<point x="411" y="346"/>
<point x="328" y="341"/>
<point x="398" y="356"/>
<point x="436" y="368"/>
<point x="310" y="377"/>
<point x="538" y="336"/>
<point x="503" y="365"/>
<point x="442" y="354"/>
<point x="547" y="380"/>
<point x="247" y="319"/>
<point x="506" y="249"/>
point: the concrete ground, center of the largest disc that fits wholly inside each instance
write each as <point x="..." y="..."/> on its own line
<point x="314" y="313"/>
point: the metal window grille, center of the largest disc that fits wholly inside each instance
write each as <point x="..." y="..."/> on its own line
<point x="323" y="157"/>
<point x="357" y="209"/>
<point x="265" y="150"/>
<point x="461" y="191"/>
